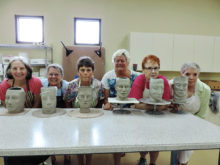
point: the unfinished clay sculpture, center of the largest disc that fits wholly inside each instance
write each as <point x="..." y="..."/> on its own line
<point x="180" y="85"/>
<point x="85" y="98"/>
<point x="48" y="99"/>
<point x="156" y="90"/>
<point x="15" y="100"/>
<point x="122" y="87"/>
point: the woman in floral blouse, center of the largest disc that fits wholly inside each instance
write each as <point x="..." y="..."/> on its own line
<point x="85" y="67"/>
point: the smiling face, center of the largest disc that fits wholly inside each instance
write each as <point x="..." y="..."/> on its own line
<point x="15" y="100"/>
<point x="121" y="64"/>
<point x="192" y="75"/>
<point x="123" y="88"/>
<point x="18" y="70"/>
<point x="54" y="76"/>
<point x="151" y="69"/>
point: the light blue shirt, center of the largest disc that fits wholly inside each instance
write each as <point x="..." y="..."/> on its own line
<point x="61" y="91"/>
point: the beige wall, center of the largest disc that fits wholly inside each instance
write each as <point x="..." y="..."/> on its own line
<point x="119" y="18"/>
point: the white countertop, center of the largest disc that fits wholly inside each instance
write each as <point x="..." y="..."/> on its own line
<point x="138" y="131"/>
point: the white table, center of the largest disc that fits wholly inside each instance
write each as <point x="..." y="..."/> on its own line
<point x="138" y="131"/>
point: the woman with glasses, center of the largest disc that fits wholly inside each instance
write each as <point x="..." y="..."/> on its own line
<point x="140" y="89"/>
<point x="85" y="68"/>
<point x="55" y="75"/>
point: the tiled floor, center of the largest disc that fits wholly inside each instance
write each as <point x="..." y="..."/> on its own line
<point x="205" y="157"/>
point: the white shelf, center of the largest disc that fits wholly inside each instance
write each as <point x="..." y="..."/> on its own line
<point x="25" y="46"/>
<point x="38" y="65"/>
<point x="45" y="48"/>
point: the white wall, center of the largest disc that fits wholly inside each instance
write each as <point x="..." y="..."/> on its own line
<point x="119" y="18"/>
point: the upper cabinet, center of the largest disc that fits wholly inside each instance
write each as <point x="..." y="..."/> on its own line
<point x="163" y="44"/>
<point x="204" y="52"/>
<point x="183" y="50"/>
<point x="176" y="49"/>
<point x="216" y="58"/>
<point x="143" y="44"/>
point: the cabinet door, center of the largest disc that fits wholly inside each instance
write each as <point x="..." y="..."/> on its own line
<point x="216" y="58"/>
<point x="183" y="50"/>
<point x="141" y="44"/>
<point x="204" y="52"/>
<point x="163" y="45"/>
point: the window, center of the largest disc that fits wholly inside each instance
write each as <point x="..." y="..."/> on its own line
<point x="29" y="29"/>
<point x="87" y="31"/>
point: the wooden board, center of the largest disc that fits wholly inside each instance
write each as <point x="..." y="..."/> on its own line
<point x="70" y="62"/>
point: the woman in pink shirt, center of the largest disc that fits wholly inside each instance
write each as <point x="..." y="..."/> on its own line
<point x="19" y="74"/>
<point x="140" y="89"/>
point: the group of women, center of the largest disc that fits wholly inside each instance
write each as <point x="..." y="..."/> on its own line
<point x="19" y="74"/>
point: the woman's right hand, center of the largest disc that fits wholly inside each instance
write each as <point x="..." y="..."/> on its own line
<point x="108" y="106"/>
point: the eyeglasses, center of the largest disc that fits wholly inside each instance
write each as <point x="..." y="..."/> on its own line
<point x="152" y="69"/>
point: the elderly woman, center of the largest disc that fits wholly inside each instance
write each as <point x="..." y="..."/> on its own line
<point x="121" y="60"/>
<point x="197" y="102"/>
<point x="19" y="74"/>
<point x="55" y="75"/>
<point x="85" y="68"/>
<point x="140" y="89"/>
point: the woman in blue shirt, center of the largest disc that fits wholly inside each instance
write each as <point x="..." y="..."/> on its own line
<point x="55" y="75"/>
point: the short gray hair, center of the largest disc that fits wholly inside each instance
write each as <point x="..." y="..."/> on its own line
<point x="189" y="65"/>
<point x="57" y="67"/>
<point x="121" y="52"/>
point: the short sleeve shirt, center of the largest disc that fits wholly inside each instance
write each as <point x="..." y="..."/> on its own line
<point x="109" y="81"/>
<point x="72" y="92"/>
